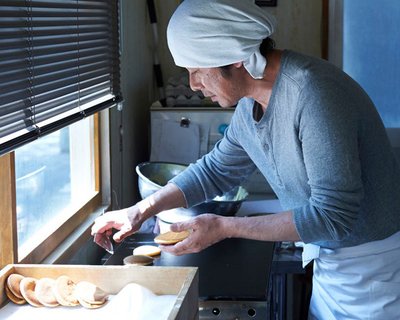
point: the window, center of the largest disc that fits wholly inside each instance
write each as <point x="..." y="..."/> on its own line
<point x="364" y="41"/>
<point x="49" y="187"/>
<point x="59" y="67"/>
<point x="54" y="177"/>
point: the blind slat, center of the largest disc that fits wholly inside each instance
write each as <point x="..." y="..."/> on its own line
<point x="56" y="80"/>
<point x="54" y="57"/>
<point x="61" y="4"/>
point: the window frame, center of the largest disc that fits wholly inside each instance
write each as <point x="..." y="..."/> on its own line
<point x="8" y="216"/>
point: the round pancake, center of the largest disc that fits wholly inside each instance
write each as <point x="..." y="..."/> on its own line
<point x="138" y="260"/>
<point x="89" y="294"/>
<point x="13" y="282"/>
<point x="147" y="250"/>
<point x="27" y="287"/>
<point x="63" y="290"/>
<point x="12" y="297"/>
<point x="171" y="237"/>
<point x="44" y="292"/>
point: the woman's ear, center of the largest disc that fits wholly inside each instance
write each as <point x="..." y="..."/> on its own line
<point x="238" y="65"/>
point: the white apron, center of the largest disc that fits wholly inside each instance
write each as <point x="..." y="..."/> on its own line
<point x="361" y="282"/>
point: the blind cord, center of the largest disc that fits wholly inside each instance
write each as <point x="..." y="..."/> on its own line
<point x="79" y="56"/>
<point x="31" y="62"/>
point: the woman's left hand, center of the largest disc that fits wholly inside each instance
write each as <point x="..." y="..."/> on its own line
<point x="206" y="229"/>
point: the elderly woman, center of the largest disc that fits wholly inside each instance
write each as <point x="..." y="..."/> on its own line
<point x="318" y="140"/>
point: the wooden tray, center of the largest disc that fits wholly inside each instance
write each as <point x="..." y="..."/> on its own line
<point x="180" y="281"/>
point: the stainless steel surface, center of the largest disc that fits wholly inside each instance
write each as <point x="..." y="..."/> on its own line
<point x="153" y="175"/>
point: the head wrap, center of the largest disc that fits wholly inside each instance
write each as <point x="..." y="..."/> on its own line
<point x="215" y="33"/>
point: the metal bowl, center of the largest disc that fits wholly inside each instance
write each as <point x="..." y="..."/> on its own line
<point x="154" y="175"/>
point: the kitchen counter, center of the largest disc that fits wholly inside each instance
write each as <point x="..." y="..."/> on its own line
<point x="239" y="259"/>
<point x="236" y="276"/>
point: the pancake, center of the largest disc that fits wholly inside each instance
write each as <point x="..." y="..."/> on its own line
<point x="89" y="295"/>
<point x="12" y="297"/>
<point x="171" y="237"/>
<point x="27" y="287"/>
<point x="44" y="292"/>
<point x="147" y="250"/>
<point x="13" y="282"/>
<point x="138" y="260"/>
<point x="63" y="290"/>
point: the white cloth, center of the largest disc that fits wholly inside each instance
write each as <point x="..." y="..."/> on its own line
<point x="361" y="282"/>
<point x="133" y="302"/>
<point x="215" y="33"/>
<point x="310" y="252"/>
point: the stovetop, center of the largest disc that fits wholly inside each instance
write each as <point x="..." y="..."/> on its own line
<point x="233" y="269"/>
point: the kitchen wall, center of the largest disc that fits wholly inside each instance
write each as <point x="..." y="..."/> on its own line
<point x="129" y="126"/>
<point x="299" y="28"/>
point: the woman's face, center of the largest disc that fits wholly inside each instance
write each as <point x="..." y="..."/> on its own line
<point x="222" y="89"/>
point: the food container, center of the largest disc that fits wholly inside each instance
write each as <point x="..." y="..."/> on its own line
<point x="179" y="281"/>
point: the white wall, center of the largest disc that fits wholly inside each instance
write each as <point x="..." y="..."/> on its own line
<point x="299" y="28"/>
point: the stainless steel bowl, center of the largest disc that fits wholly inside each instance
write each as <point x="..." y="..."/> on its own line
<point x="154" y="175"/>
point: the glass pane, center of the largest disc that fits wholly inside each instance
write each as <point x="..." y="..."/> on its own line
<point x="54" y="177"/>
<point x="371" y="49"/>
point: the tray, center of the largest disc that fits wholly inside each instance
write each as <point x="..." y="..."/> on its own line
<point x="179" y="281"/>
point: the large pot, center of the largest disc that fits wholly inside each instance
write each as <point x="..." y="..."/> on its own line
<point x="153" y="175"/>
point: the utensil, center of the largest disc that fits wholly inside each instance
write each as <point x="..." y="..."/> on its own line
<point x="103" y="240"/>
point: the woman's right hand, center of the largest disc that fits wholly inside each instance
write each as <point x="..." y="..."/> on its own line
<point x="127" y="221"/>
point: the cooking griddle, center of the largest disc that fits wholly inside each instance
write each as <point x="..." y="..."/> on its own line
<point x="233" y="269"/>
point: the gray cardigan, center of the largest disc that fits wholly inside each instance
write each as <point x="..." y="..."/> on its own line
<point x="323" y="149"/>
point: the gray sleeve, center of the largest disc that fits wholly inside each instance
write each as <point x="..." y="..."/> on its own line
<point x="328" y="133"/>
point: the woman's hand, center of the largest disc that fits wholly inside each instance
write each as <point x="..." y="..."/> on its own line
<point x="206" y="229"/>
<point x="127" y="221"/>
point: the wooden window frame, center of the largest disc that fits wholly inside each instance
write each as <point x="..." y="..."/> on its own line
<point x="8" y="216"/>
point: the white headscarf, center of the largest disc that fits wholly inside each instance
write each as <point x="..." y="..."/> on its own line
<point x="215" y="33"/>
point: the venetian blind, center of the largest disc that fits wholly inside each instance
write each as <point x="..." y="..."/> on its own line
<point x="59" y="62"/>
